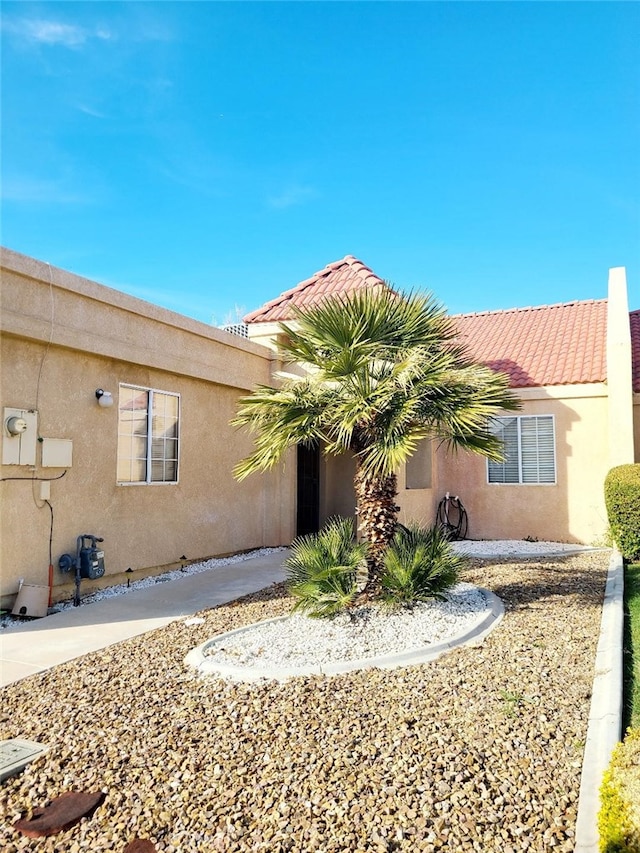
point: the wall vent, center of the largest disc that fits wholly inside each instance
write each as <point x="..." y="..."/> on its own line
<point x="240" y="329"/>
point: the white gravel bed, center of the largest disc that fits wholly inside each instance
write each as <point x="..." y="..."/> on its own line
<point x="368" y="632"/>
<point x="520" y="547"/>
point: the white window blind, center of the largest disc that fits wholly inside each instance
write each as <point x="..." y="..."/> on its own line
<point x="529" y="450"/>
<point x="148" y="426"/>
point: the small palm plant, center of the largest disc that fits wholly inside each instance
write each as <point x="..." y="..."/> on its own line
<point x="418" y="565"/>
<point x="323" y="569"/>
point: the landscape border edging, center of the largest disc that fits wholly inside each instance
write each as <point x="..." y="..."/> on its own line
<point x="472" y="636"/>
<point x="605" y="715"/>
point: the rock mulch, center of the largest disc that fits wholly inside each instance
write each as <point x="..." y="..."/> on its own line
<point x="479" y="751"/>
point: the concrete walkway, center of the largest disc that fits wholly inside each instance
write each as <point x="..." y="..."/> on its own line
<point x="60" y="637"/>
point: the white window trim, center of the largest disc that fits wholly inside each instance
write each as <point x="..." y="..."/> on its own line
<point x="519" y="419"/>
<point x="149" y="481"/>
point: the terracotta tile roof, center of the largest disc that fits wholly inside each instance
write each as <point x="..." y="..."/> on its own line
<point x="337" y="278"/>
<point x="547" y="345"/>
<point x="634" y="320"/>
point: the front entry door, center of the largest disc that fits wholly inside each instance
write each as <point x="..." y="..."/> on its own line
<point x="308" y="504"/>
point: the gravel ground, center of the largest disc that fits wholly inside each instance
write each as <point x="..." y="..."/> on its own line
<point x="481" y="750"/>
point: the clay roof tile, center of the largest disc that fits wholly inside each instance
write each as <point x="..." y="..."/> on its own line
<point x="338" y="277"/>
<point x="547" y="345"/>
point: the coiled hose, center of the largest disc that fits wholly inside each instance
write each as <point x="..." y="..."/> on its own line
<point x="452" y="517"/>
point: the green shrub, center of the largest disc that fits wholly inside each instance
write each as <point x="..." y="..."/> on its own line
<point x="619" y="816"/>
<point x="622" y="499"/>
<point x="418" y="565"/>
<point x="631" y="647"/>
<point x="323" y="569"/>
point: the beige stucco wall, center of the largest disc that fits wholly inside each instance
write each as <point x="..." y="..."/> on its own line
<point x="573" y="509"/>
<point x="416" y="504"/>
<point x="267" y="334"/>
<point x="62" y="338"/>
<point x="619" y="371"/>
<point x="337" y="495"/>
<point x="419" y="504"/>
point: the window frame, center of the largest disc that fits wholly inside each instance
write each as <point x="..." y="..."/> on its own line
<point x="521" y="481"/>
<point x="150" y="437"/>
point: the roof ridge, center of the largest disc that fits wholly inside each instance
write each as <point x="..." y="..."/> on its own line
<point x="350" y="262"/>
<point x="516" y="310"/>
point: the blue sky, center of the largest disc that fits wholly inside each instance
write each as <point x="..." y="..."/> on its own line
<point x="206" y="156"/>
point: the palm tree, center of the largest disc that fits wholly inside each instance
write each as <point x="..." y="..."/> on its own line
<point x="381" y="372"/>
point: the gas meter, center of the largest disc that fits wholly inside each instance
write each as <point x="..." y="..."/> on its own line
<point x="88" y="562"/>
<point x="91" y="559"/>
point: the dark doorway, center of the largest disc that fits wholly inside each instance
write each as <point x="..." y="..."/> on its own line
<point x="308" y="515"/>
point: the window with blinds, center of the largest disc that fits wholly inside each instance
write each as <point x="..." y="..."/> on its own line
<point x="148" y="426"/>
<point x="528" y="447"/>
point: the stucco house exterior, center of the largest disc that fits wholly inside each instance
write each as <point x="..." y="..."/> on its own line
<point x="147" y="464"/>
<point x="150" y="474"/>
<point x="576" y="370"/>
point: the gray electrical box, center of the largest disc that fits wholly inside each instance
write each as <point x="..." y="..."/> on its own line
<point x="57" y="452"/>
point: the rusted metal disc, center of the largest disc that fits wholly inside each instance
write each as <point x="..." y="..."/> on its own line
<point x="61" y="813"/>
<point x="140" y="845"/>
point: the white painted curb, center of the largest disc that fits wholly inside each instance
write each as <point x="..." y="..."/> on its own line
<point x="488" y="620"/>
<point x="605" y="716"/>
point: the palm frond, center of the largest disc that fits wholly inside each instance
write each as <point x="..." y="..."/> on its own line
<point x="419" y="564"/>
<point x="459" y="411"/>
<point x="323" y="568"/>
<point x="367" y="323"/>
<point x="281" y="418"/>
<point x="384" y="371"/>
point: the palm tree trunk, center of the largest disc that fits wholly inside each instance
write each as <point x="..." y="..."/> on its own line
<point x="377" y="514"/>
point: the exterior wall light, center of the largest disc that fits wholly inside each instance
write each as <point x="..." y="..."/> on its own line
<point x="105" y="398"/>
